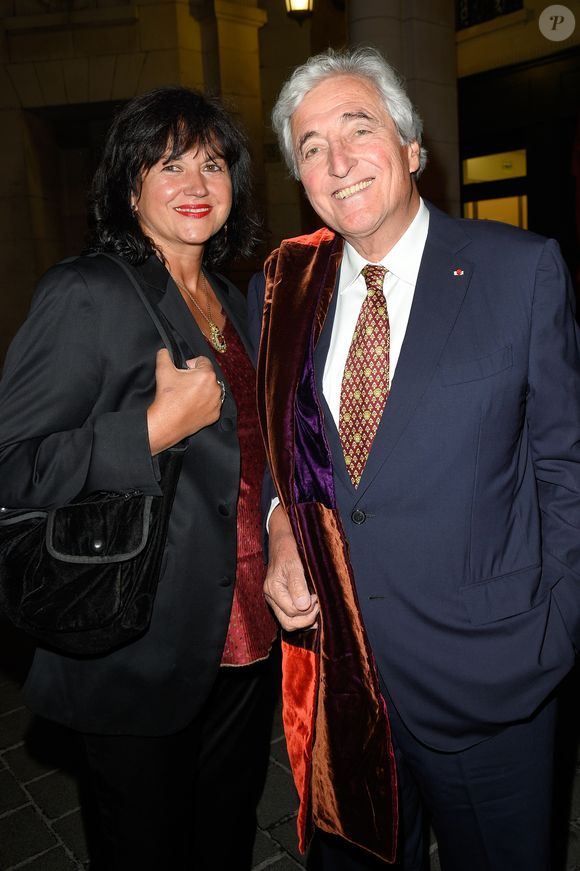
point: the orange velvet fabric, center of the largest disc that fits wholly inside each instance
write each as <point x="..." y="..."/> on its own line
<point x="335" y="718"/>
<point x="299" y="683"/>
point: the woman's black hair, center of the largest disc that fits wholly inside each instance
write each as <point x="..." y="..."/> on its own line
<point x="177" y="118"/>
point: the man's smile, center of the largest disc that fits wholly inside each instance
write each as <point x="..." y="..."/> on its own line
<point x="353" y="189"/>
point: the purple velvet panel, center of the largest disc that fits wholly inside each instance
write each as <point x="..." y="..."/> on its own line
<point x="313" y="474"/>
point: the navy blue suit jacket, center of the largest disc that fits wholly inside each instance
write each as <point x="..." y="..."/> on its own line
<point x="467" y="559"/>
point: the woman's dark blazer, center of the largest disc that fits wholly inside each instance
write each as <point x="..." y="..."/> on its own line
<point x="77" y="382"/>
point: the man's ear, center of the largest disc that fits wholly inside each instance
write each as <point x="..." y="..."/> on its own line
<point x="414" y="151"/>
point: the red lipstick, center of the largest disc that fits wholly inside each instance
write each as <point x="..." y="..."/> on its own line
<point x="194" y="210"/>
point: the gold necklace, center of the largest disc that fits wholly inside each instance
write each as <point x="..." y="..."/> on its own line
<point x="216" y="337"/>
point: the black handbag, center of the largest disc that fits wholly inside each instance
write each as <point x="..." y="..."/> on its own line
<point x="82" y="578"/>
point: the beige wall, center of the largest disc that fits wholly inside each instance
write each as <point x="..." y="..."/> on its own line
<point x="511" y="39"/>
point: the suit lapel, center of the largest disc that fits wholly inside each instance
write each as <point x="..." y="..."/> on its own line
<point x="442" y="283"/>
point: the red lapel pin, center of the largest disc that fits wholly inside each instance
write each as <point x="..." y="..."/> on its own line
<point x="458" y="272"/>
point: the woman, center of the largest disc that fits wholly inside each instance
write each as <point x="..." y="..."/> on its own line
<point x="175" y="725"/>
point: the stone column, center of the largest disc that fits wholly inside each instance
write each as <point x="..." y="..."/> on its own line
<point x="418" y="38"/>
<point x="26" y="195"/>
<point x="231" y="67"/>
<point x="231" y="59"/>
<point x="238" y="24"/>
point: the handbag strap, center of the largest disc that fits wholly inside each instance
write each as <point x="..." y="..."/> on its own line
<point x="166" y="336"/>
<point x="175" y="352"/>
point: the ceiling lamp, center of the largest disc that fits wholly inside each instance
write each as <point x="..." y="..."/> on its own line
<point x="299" y="10"/>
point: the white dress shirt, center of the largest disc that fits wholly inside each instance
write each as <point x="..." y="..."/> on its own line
<point x="402" y="263"/>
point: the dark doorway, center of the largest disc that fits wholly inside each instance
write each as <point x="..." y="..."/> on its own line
<point x="532" y="107"/>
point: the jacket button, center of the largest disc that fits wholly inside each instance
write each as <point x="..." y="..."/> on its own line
<point x="227" y="424"/>
<point x="223" y="510"/>
<point x="225" y="582"/>
<point x="358" y="516"/>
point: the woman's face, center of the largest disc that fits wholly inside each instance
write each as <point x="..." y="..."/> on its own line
<point x="183" y="202"/>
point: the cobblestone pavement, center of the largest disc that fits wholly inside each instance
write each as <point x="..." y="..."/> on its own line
<point x="41" y="824"/>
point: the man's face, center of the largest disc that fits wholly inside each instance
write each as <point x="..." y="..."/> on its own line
<point x="355" y="171"/>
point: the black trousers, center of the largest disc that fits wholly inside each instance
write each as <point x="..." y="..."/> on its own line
<point x="185" y="801"/>
<point x="489" y="805"/>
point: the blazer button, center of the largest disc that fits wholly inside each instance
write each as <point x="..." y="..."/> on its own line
<point x="223" y="510"/>
<point x="225" y="582"/>
<point x="227" y="424"/>
<point x="358" y="516"/>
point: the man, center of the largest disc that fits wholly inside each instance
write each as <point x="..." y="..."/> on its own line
<point x="420" y="399"/>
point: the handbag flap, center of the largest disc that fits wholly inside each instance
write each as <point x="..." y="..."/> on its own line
<point x="111" y="527"/>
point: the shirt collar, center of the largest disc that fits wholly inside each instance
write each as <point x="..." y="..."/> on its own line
<point x="403" y="260"/>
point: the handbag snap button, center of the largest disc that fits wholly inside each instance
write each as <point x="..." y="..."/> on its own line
<point x="97" y="544"/>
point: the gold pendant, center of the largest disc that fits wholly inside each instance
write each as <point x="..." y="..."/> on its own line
<point x="217" y="339"/>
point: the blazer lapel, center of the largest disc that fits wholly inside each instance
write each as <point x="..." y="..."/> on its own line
<point x="177" y="313"/>
<point x="442" y="283"/>
<point x="175" y="310"/>
<point x="163" y="293"/>
<point x="172" y="305"/>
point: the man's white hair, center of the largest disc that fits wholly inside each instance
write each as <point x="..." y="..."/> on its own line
<point x="365" y="62"/>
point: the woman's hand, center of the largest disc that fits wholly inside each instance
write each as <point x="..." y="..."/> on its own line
<point x="186" y="400"/>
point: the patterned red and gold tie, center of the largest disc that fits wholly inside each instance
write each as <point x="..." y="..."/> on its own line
<point x="365" y="383"/>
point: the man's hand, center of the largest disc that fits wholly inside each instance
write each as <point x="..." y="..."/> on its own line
<point x="185" y="401"/>
<point x="285" y="586"/>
